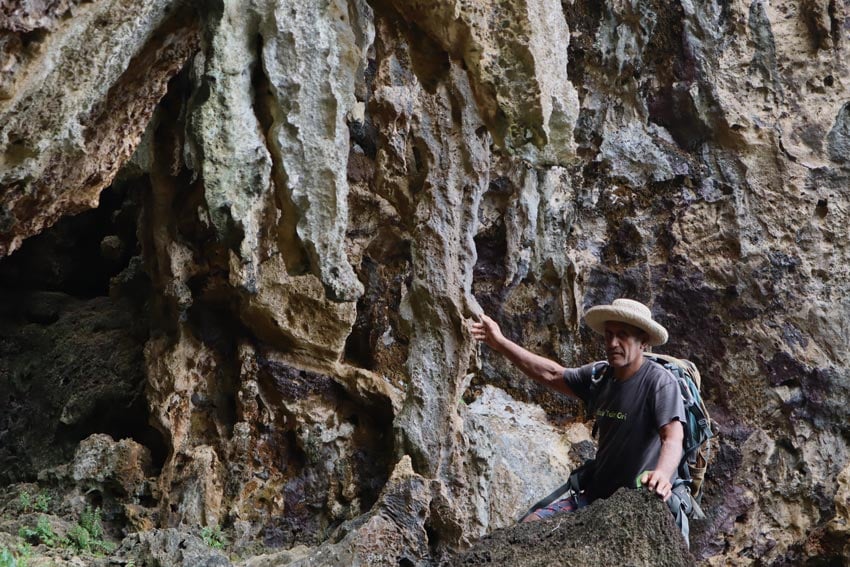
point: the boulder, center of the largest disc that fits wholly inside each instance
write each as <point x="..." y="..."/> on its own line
<point x="631" y="528"/>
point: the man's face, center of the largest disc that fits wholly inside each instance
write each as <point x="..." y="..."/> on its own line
<point x="624" y="344"/>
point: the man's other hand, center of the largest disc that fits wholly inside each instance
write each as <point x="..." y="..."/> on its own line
<point x="657" y="483"/>
<point x="488" y="331"/>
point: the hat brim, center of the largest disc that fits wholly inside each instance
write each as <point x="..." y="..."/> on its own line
<point x="597" y="316"/>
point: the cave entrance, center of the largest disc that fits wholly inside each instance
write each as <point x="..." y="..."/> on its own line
<point x="73" y="304"/>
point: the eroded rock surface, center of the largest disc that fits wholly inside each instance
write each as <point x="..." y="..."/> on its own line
<point x="169" y="547"/>
<point x="630" y="528"/>
<point x="78" y="93"/>
<point x="309" y="201"/>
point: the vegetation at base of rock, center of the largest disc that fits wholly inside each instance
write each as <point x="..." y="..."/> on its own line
<point x="6" y="558"/>
<point x="90" y="521"/>
<point x="87" y="534"/>
<point x="25" y="501"/>
<point x="39" y="503"/>
<point x="19" y="555"/>
<point x="82" y="541"/>
<point x="41" y="533"/>
<point x="24" y="554"/>
<point x="20" y="558"/>
<point x="213" y="537"/>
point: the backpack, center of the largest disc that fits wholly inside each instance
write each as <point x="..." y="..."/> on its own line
<point x="696" y="449"/>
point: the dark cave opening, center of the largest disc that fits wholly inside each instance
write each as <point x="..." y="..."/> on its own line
<point x="74" y="325"/>
<point x="120" y="420"/>
<point x="79" y="254"/>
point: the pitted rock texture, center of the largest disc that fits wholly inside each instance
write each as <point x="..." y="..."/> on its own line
<point x="123" y="466"/>
<point x="393" y="533"/>
<point x="310" y="201"/>
<point x="517" y="66"/>
<point x="168" y="547"/>
<point x="630" y="528"/>
<point x="524" y="457"/>
<point x="82" y="92"/>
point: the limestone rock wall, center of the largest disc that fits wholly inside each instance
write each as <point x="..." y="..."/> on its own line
<point x="80" y="83"/>
<point x="310" y="200"/>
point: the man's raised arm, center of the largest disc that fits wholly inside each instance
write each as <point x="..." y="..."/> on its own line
<point x="542" y="370"/>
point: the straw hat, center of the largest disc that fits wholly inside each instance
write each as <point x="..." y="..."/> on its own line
<point x="626" y="311"/>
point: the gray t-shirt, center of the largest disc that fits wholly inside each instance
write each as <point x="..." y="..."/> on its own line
<point x="629" y="415"/>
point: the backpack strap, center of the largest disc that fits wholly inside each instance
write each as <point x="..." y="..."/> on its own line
<point x="599" y="376"/>
<point x="696" y="447"/>
<point x="574" y="485"/>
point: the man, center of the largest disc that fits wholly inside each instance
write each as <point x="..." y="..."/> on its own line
<point x="639" y="411"/>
